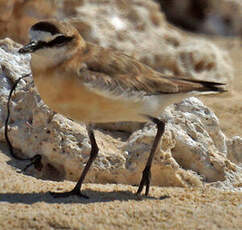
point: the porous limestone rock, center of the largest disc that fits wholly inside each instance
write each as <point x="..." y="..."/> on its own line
<point x="193" y="148"/>
<point x="235" y="149"/>
<point x="139" y="29"/>
<point x="221" y="17"/>
<point x="136" y="27"/>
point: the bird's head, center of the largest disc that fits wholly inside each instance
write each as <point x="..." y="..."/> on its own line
<point x="52" y="39"/>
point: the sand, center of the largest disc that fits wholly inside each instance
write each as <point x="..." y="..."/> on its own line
<point x="26" y="204"/>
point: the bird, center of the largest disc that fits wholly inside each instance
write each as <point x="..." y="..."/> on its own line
<point x="92" y="84"/>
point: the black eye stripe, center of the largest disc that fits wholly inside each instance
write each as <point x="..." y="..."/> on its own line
<point x="57" y="42"/>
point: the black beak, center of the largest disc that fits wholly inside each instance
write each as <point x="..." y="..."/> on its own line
<point x="29" y="48"/>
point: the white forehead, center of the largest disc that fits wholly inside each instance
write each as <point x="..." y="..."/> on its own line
<point x="39" y="35"/>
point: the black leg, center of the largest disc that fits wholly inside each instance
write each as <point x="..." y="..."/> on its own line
<point x="147" y="172"/>
<point x="93" y="154"/>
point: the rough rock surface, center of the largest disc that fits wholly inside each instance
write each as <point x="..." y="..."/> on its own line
<point x="137" y="27"/>
<point x="235" y="149"/>
<point x="221" y="17"/>
<point x="193" y="147"/>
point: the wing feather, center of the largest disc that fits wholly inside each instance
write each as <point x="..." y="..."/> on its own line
<point x="115" y="73"/>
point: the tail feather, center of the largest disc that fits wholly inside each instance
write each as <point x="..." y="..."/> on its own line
<point x="209" y="86"/>
<point x="187" y="85"/>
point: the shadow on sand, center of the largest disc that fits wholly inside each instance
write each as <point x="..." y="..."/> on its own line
<point x="94" y="196"/>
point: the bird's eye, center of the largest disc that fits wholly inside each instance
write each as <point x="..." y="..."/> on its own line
<point x="60" y="40"/>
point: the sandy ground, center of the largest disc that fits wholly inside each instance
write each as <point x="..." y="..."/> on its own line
<point x="26" y="204"/>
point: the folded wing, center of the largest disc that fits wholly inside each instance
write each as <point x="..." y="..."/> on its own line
<point x="115" y="73"/>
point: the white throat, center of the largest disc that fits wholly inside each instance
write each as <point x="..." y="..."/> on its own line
<point x="49" y="57"/>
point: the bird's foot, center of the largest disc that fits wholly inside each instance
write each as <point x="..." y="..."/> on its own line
<point x="145" y="181"/>
<point x="74" y="192"/>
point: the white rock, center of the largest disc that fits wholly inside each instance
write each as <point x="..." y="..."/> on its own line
<point x="235" y="149"/>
